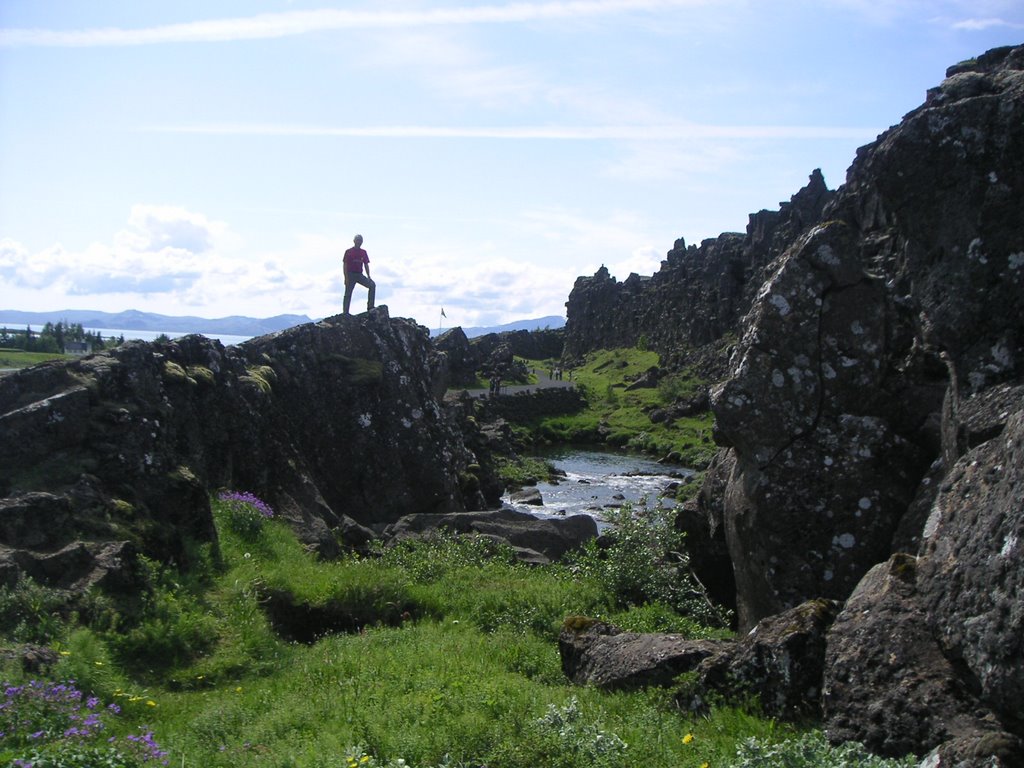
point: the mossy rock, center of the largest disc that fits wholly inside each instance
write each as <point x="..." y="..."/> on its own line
<point x="579" y="624"/>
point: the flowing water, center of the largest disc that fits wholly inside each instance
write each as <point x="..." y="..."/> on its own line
<point x="598" y="480"/>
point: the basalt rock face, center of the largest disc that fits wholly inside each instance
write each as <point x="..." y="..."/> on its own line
<point x="705" y="289"/>
<point x="871" y="333"/>
<point x="873" y="413"/>
<point x="493" y="353"/>
<point x="336" y="424"/>
<point x="875" y="404"/>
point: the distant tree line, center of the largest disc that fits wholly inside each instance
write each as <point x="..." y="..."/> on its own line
<point x="55" y="337"/>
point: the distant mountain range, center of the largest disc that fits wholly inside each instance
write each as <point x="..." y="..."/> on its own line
<point x="539" y="323"/>
<point x="133" y="320"/>
<point x="235" y="325"/>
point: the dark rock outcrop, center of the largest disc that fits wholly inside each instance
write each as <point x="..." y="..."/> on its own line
<point x="336" y="424"/>
<point x="872" y="405"/>
<point x="704" y="290"/>
<point x="971" y="574"/>
<point x="600" y="654"/>
<point x="780" y="661"/>
<point x="493" y="353"/>
<point x="874" y="327"/>
<point x="890" y="684"/>
<point x="886" y="343"/>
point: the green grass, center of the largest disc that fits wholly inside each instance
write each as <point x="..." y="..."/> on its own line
<point x="620" y="418"/>
<point x="470" y="675"/>
<point x="16" y="358"/>
<point x="467" y="672"/>
<point x="523" y="470"/>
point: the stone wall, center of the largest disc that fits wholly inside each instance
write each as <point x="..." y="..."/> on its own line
<point x="520" y="407"/>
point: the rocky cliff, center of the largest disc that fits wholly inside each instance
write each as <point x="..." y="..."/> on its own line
<point x="493" y="353"/>
<point x="871" y="416"/>
<point x="336" y="424"/>
<point x="705" y="289"/>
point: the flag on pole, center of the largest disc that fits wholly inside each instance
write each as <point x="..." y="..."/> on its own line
<point x="442" y="312"/>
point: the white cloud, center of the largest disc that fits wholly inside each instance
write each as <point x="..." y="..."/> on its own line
<point x="666" y="161"/>
<point x="663" y="132"/>
<point x="154" y="228"/>
<point x="167" y="258"/>
<point x="448" y="64"/>
<point x="176" y="261"/>
<point x="276" y="25"/>
<point x="978" y="25"/>
<point x="893" y="11"/>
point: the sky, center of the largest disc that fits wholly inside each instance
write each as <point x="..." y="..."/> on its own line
<point x="216" y="157"/>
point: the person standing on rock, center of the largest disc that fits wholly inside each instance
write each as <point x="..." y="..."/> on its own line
<point x="355" y="259"/>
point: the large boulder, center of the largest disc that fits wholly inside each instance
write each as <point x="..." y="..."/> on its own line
<point x="600" y="654"/>
<point x="826" y="455"/>
<point x="535" y="540"/>
<point x="336" y="424"/>
<point x="892" y="685"/>
<point x="887" y="682"/>
<point x="926" y="652"/>
<point x="780" y="662"/>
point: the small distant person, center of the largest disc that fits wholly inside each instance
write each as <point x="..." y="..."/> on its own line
<point x="355" y="260"/>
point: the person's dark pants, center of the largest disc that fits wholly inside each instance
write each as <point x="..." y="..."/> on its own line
<point x="351" y="278"/>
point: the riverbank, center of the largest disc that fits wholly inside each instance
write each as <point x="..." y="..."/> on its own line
<point x="592" y="482"/>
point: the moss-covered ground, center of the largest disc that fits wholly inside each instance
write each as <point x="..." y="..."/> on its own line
<point x="621" y="417"/>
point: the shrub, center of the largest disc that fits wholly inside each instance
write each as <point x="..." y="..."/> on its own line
<point x="645" y="563"/>
<point x="172" y="630"/>
<point x="564" y="737"/>
<point x="33" y="613"/>
<point x="812" y="750"/>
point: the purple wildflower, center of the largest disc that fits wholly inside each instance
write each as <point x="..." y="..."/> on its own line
<point x="244" y="497"/>
<point x="40" y="713"/>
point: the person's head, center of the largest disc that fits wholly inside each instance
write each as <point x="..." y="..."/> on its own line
<point x="358" y="239"/>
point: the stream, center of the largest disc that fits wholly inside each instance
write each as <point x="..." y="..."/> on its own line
<point x="598" y="480"/>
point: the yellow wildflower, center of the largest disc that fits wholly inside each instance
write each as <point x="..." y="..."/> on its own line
<point x="687" y="738"/>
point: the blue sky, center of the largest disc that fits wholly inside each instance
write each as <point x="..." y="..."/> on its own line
<point x="216" y="157"/>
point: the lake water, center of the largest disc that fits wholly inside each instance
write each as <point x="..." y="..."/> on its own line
<point x="597" y="480"/>
<point x="108" y="333"/>
<point x="115" y="333"/>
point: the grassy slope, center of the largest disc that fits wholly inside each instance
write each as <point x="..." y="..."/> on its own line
<point x="620" y="418"/>
<point x="16" y="358"/>
<point x="468" y="673"/>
